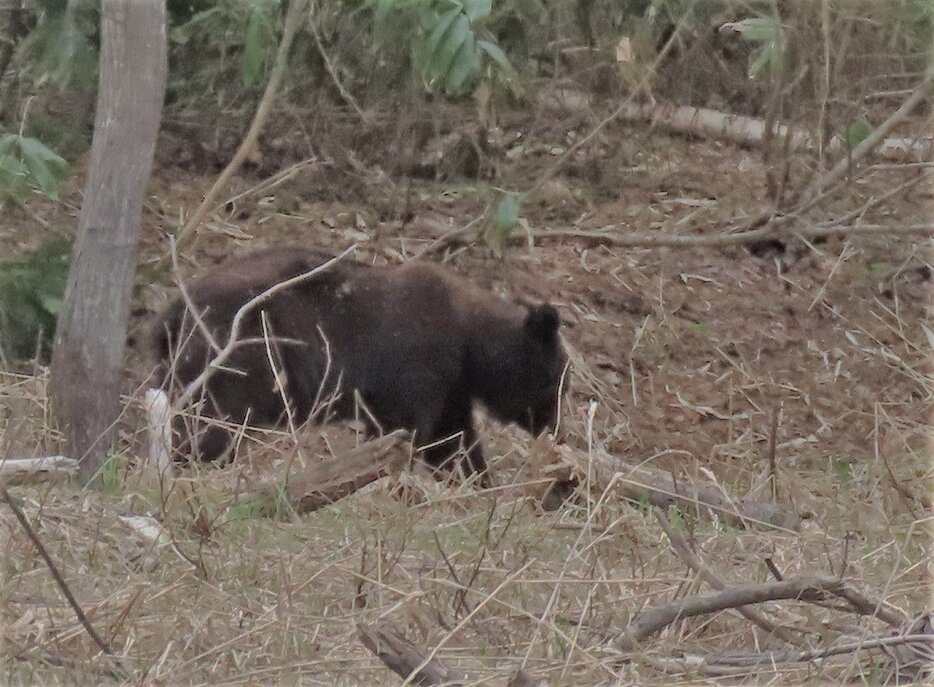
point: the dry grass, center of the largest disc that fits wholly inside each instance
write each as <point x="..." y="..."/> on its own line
<point x="682" y="360"/>
<point x="493" y="582"/>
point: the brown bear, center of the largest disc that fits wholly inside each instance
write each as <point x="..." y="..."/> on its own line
<point x="403" y="347"/>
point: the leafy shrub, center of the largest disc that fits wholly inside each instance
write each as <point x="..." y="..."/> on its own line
<point x="62" y="47"/>
<point x="26" y="162"/>
<point x="452" y="45"/>
<point x="236" y="36"/>
<point x="32" y="288"/>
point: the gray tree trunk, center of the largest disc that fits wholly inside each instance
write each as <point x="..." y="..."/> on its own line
<point x="90" y="340"/>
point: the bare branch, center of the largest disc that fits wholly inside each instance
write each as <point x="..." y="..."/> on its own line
<point x="683" y="550"/>
<point x="195" y="386"/>
<point x="659" y="617"/>
<point x="868" y="144"/>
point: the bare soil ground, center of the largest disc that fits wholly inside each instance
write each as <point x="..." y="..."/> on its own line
<point x="685" y="359"/>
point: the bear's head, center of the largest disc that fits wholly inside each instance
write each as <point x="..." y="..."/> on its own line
<point x="521" y="369"/>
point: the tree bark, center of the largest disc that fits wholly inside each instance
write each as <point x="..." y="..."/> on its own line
<point x="91" y="336"/>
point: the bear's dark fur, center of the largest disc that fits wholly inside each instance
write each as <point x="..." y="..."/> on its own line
<point x="415" y="343"/>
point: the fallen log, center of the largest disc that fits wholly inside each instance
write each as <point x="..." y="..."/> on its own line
<point x="739" y="129"/>
<point x="326" y="481"/>
<point x="641" y="484"/>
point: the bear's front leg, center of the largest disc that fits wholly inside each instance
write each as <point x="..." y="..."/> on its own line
<point x="452" y="435"/>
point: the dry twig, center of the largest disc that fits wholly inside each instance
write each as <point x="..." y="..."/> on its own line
<point x="59" y="580"/>
<point x="247" y="146"/>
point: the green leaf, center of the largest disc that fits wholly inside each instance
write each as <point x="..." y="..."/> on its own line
<point x="7" y="143"/>
<point x="440" y="30"/>
<point x="32" y="287"/>
<point x="464" y="65"/>
<point x="253" y="52"/>
<point x="454" y="39"/>
<point x="505" y="220"/>
<point x="52" y="303"/>
<point x="240" y="511"/>
<point x="13" y="175"/>
<point x="499" y="57"/>
<point x="110" y="477"/>
<point x="758" y="29"/>
<point x="856" y="132"/>
<point x="382" y="10"/>
<point x="45" y="167"/>
<point x="477" y="9"/>
<point x="507" y="213"/>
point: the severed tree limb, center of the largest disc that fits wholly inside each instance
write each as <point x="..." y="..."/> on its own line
<point x="768" y="227"/>
<point x="737" y="665"/>
<point x="877" y="609"/>
<point x="326" y="481"/>
<point x="743" y="130"/>
<point x="407" y="660"/>
<point x="658" y="618"/>
<point x="770" y="658"/>
<point x="293" y="17"/>
<point x="693" y="562"/>
<point x="638" y="483"/>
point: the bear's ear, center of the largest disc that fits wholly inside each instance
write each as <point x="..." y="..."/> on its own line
<point x="542" y="322"/>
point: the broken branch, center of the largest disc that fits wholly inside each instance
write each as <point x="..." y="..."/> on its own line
<point x="407" y="660"/>
<point x="683" y="550"/>
<point x="637" y="483"/>
<point x="658" y="618"/>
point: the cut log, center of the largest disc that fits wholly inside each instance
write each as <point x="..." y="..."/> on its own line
<point x="19" y="470"/>
<point x="639" y="484"/>
<point x="326" y="481"/>
<point x="407" y="660"/>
